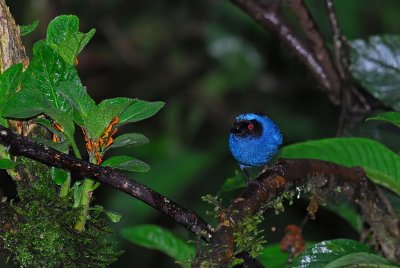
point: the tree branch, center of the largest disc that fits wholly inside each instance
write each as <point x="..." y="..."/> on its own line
<point x="270" y="16"/>
<point x="19" y="145"/>
<point x="322" y="177"/>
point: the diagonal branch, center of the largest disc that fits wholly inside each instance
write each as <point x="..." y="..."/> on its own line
<point x="20" y="145"/>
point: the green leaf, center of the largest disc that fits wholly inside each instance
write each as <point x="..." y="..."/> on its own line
<point x="380" y="164"/>
<point x="129" y="139"/>
<point x="60" y="146"/>
<point x="48" y="124"/>
<point x="154" y="237"/>
<point x="234" y="183"/>
<point x="9" y="82"/>
<point x="27" y="29"/>
<point x="376" y="65"/>
<point x="64" y="36"/>
<point x="361" y="259"/>
<point x="113" y="216"/>
<point x="6" y="164"/>
<point x="273" y="257"/>
<point x="325" y="252"/>
<point x="25" y="104"/>
<point x="99" y="119"/>
<point x="347" y="213"/>
<point x="127" y="163"/>
<point x="46" y="72"/>
<point x="391" y="117"/>
<point x="81" y="102"/>
<point x="58" y="175"/>
<point x="140" y="110"/>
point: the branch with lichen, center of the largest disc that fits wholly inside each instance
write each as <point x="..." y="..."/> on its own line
<point x="318" y="177"/>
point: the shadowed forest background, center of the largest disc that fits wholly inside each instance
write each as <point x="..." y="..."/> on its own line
<point x="208" y="61"/>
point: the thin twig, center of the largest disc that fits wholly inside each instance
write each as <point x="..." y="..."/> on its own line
<point x="317" y="42"/>
<point x="20" y="145"/>
<point x="341" y="56"/>
<point x="270" y="16"/>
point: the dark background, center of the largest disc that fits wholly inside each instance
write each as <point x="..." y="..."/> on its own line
<point x="208" y="61"/>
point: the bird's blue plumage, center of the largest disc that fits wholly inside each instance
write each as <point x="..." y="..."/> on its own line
<point x="254" y="139"/>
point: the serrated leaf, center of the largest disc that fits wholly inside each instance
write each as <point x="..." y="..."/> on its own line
<point x="81" y="102"/>
<point x="325" y="252"/>
<point x="380" y="164"/>
<point x="390" y="117"/>
<point x="127" y="163"/>
<point x="361" y="259"/>
<point x="129" y="139"/>
<point x="113" y="216"/>
<point x="27" y="29"/>
<point x="58" y="175"/>
<point x="63" y="35"/>
<point x="375" y="63"/>
<point x="154" y="237"/>
<point x="140" y="110"/>
<point x="6" y="164"/>
<point x="99" y="119"/>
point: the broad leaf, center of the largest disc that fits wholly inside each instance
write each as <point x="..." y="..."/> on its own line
<point x="6" y="163"/>
<point x="154" y="237"/>
<point x="325" y="252"/>
<point x="129" y="139"/>
<point x="380" y="164"/>
<point x="361" y="259"/>
<point x="81" y="102"/>
<point x="127" y="163"/>
<point x="390" y="117"/>
<point x="376" y="65"/>
<point x="25" y="104"/>
<point x="140" y="110"/>
<point x="9" y="82"/>
<point x="64" y="36"/>
<point x="99" y="118"/>
<point x="27" y="29"/>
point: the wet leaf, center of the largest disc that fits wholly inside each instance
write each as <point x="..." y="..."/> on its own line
<point x="375" y="63"/>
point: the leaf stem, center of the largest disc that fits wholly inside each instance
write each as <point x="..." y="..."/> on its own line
<point x="67" y="183"/>
<point x="86" y="196"/>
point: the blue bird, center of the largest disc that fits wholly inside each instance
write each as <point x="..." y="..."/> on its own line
<point x="254" y="140"/>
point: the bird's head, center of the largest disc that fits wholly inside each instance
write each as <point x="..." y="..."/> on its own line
<point x="254" y="139"/>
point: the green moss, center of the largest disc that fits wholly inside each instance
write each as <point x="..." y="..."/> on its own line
<point x="38" y="231"/>
<point x="43" y="235"/>
<point x="248" y="237"/>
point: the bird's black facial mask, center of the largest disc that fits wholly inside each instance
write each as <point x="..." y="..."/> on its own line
<point x="247" y="128"/>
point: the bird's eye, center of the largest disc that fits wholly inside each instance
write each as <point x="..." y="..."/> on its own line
<point x="250" y="126"/>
